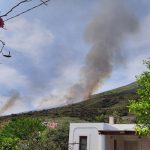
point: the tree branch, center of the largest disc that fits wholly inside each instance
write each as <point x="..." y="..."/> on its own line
<point x="3" y="45"/>
<point x="2" y="48"/>
<point x="42" y="3"/>
<point x="15" y="7"/>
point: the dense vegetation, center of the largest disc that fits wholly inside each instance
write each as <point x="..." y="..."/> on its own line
<point x="141" y="108"/>
<point x="30" y="133"/>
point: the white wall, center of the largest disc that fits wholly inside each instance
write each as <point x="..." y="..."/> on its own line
<point x="92" y="138"/>
<point x="89" y="130"/>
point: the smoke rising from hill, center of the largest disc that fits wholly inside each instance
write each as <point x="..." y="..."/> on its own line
<point x="10" y="103"/>
<point x="106" y="32"/>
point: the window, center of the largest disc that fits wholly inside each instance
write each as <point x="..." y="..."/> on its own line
<point x="83" y="143"/>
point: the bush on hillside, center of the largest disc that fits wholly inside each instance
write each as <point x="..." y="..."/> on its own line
<point x="23" y="128"/>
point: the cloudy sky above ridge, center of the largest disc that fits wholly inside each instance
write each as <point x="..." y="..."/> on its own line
<point x="48" y="49"/>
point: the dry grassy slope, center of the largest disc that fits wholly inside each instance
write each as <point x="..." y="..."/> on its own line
<point x="97" y="108"/>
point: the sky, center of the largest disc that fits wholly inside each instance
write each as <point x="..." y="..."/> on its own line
<point x="49" y="48"/>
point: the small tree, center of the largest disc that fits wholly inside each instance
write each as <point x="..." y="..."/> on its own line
<point x="141" y="107"/>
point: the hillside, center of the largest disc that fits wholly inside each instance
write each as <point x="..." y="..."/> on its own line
<point x="27" y="130"/>
<point x="97" y="108"/>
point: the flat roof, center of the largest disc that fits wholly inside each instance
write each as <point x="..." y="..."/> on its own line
<point x="104" y="126"/>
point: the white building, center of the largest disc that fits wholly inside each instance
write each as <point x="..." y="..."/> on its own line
<point x="104" y="136"/>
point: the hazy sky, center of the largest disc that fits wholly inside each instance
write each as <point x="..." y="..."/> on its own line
<point x="48" y="48"/>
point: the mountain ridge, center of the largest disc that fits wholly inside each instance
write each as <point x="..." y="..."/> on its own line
<point x="97" y="108"/>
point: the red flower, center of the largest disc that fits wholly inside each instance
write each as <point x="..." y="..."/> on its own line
<point x="52" y="125"/>
<point x="1" y="23"/>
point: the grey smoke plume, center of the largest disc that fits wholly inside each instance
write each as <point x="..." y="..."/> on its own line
<point x="10" y="103"/>
<point x="105" y="33"/>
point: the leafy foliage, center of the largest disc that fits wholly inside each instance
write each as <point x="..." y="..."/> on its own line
<point x="8" y="143"/>
<point x="141" y="107"/>
<point x="59" y="136"/>
<point x="100" y="118"/>
<point x="23" y="128"/>
<point x="20" y="132"/>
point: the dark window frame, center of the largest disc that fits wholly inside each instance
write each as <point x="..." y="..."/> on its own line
<point x="80" y="142"/>
<point x="115" y="144"/>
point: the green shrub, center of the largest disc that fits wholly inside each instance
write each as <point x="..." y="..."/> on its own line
<point x="100" y="118"/>
<point x="23" y="128"/>
<point x="8" y="143"/>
